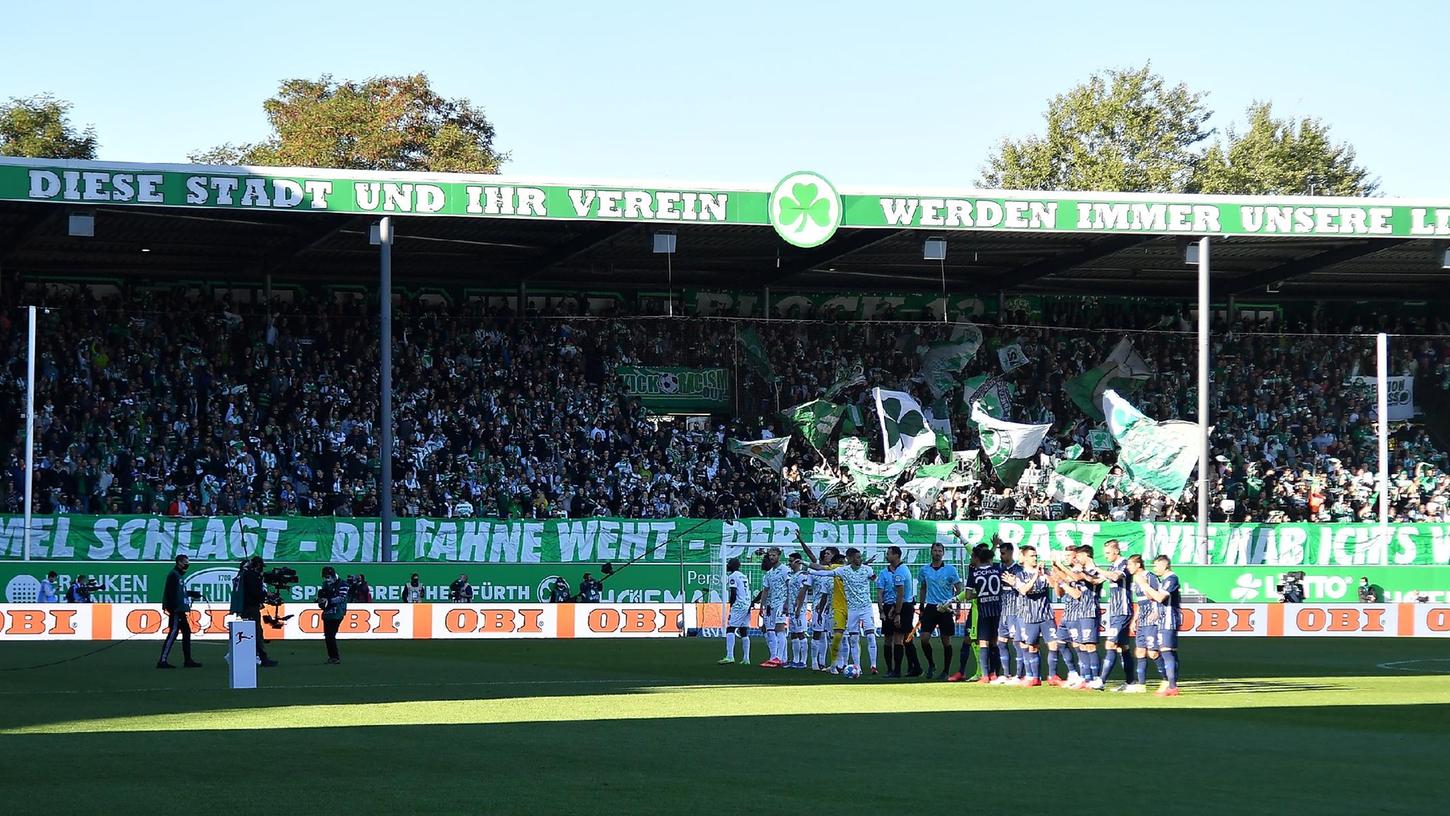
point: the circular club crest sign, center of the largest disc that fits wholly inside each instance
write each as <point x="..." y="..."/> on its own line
<point x="805" y="209"/>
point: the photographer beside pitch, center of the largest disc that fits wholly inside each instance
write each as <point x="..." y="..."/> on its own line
<point x="332" y="599"/>
<point x="176" y="603"/>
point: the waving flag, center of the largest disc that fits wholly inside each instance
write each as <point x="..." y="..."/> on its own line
<point x="1158" y="455"/>
<point x="768" y="452"/>
<point x="1009" y="446"/>
<point x="904" y="431"/>
<point x="1124" y="370"/>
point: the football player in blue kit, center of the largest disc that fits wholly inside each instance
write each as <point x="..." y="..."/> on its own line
<point x="1164" y="591"/>
<point x="1034" y="612"/>
<point x="1119" y="613"/>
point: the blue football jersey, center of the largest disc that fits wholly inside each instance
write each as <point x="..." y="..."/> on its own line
<point x="1120" y="592"/>
<point x="987" y="581"/>
<point x="1170" y="611"/>
<point x="1036" y="605"/>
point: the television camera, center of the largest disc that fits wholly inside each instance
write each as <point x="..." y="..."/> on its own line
<point x="1291" y="587"/>
<point x="277" y="580"/>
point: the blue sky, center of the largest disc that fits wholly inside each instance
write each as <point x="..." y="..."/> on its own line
<point x="901" y="94"/>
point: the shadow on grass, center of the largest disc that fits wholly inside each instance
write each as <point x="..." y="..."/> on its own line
<point x="122" y="682"/>
<point x="1353" y="759"/>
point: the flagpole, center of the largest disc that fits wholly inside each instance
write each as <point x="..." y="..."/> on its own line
<point x="1203" y="418"/>
<point x="29" y="428"/>
<point x="1382" y="406"/>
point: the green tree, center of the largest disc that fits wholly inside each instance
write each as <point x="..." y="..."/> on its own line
<point x="383" y="123"/>
<point x="1122" y="130"/>
<point x="39" y="127"/>
<point x="1282" y="157"/>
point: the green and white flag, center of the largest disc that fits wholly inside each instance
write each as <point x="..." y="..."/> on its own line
<point x="942" y="363"/>
<point x="1072" y="452"/>
<point x="904" y="432"/>
<point x="994" y="394"/>
<point x="1100" y="439"/>
<point x="1077" y="482"/>
<point x="755" y="355"/>
<point x="927" y="483"/>
<point x="939" y="417"/>
<point x="1124" y="370"/>
<point x="816" y="421"/>
<point x="824" y="484"/>
<point x="848" y="379"/>
<point x="966" y="469"/>
<point x="768" y="452"/>
<point x="1012" y="357"/>
<point x="1157" y="455"/>
<point x="1009" y="446"/>
<point x="867" y="478"/>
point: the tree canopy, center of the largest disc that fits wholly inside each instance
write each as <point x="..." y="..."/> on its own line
<point x="1282" y="157"/>
<point x="383" y="123"/>
<point x="39" y="127"/>
<point x="1130" y="130"/>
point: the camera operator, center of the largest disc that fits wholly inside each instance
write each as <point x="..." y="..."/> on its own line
<point x="80" y="590"/>
<point x="332" y="597"/>
<point x="1291" y="588"/>
<point x="254" y="593"/>
<point x="590" y="590"/>
<point x="47" y="593"/>
<point x="461" y="590"/>
<point x="176" y="603"/>
<point x="1366" y="591"/>
<point x="559" y="592"/>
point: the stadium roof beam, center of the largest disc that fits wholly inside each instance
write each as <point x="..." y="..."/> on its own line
<point x="1046" y="267"/>
<point x="587" y="239"/>
<point x="304" y="241"/>
<point x="1304" y="266"/>
<point x="30" y="226"/>
<point x="840" y="247"/>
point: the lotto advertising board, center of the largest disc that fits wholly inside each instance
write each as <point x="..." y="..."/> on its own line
<point x="646" y="583"/>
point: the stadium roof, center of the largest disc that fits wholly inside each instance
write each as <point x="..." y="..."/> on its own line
<point x="240" y="224"/>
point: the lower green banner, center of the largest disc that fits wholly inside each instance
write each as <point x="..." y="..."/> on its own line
<point x="492" y="583"/>
<point x="141" y="582"/>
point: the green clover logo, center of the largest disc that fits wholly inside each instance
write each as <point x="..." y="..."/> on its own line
<point x="897" y="425"/>
<point x="805" y="209"/>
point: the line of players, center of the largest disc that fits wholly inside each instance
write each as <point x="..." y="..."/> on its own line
<point x="814" y="613"/>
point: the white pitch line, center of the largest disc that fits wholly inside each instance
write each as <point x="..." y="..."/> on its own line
<point x="480" y="683"/>
<point x="1399" y="664"/>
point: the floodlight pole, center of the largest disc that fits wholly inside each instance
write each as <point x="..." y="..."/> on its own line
<point x="385" y="355"/>
<point x="1203" y="417"/>
<point x="29" y="428"/>
<point x="1382" y="407"/>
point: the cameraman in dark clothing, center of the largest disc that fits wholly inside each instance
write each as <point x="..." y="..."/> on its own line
<point x="590" y="590"/>
<point x="332" y="597"/>
<point x="254" y="593"/>
<point x="559" y="592"/>
<point x="176" y="603"/>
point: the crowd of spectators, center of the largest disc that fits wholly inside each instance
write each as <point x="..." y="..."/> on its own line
<point x="168" y="403"/>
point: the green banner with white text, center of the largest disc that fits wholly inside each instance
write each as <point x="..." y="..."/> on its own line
<point x="667" y="389"/>
<point x="691" y="541"/>
<point x="810" y="201"/>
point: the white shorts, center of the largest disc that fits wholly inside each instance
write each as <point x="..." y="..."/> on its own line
<point x="739" y="616"/>
<point x="773" y="617"/>
<point x="802" y="622"/>
<point x="860" y="620"/>
<point x="822" y="621"/>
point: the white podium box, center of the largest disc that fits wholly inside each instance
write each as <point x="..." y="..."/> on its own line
<point x="242" y="654"/>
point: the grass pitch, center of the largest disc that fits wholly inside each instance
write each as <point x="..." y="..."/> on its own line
<point x="1264" y="726"/>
